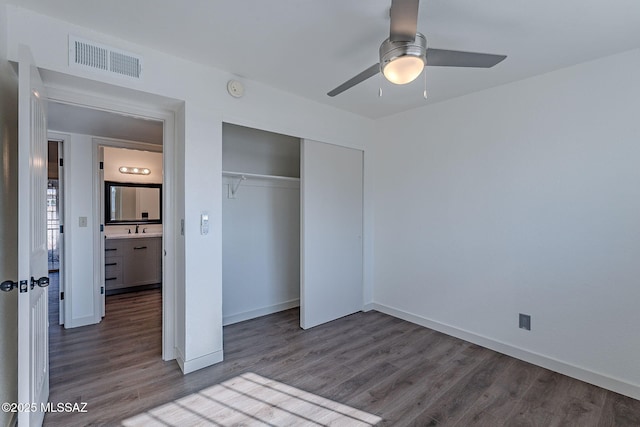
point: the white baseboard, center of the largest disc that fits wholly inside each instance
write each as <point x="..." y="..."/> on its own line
<point x="81" y="321"/>
<point x="252" y="314"/>
<point x="170" y="353"/>
<point x="600" y="380"/>
<point x="188" y="366"/>
<point x="179" y="358"/>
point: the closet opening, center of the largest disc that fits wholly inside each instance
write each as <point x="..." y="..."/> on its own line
<point x="260" y="223"/>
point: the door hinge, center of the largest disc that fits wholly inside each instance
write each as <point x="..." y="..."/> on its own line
<point x="61" y="229"/>
<point x="61" y="162"/>
<point x="101" y="290"/>
<point x="61" y="296"/>
<point x="101" y="165"/>
<point x="101" y="228"/>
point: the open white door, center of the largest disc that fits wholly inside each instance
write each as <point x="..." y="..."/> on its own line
<point x="60" y="208"/>
<point x="33" y="337"/>
<point x="331" y="235"/>
<point x="100" y="205"/>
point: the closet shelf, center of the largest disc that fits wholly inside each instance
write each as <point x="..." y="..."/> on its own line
<point x="260" y="176"/>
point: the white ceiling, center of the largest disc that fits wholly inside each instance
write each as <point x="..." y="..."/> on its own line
<point x="308" y="47"/>
<point x="72" y="119"/>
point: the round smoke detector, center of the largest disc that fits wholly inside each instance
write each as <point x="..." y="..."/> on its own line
<point x="235" y="88"/>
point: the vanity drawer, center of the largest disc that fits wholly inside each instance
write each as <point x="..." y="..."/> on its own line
<point x="112" y="265"/>
<point x="113" y="280"/>
<point x="113" y="252"/>
<point x="113" y="247"/>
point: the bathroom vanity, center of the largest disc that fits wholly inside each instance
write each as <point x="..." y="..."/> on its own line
<point x="132" y="261"/>
<point x="132" y="256"/>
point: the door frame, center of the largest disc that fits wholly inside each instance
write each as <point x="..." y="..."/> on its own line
<point x="367" y="190"/>
<point x="144" y="110"/>
<point x="60" y="138"/>
<point x="99" y="143"/>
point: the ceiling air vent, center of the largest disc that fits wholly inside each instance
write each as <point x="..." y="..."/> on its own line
<point x="88" y="54"/>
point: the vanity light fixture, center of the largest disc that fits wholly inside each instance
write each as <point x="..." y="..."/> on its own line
<point x="134" y="170"/>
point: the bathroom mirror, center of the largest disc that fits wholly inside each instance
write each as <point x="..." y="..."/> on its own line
<point x="129" y="203"/>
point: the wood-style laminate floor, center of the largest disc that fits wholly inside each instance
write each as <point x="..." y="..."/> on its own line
<point x="404" y="373"/>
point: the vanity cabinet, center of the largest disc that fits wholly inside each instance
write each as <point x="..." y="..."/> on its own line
<point x="130" y="262"/>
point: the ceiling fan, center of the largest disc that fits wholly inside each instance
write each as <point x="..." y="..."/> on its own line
<point x="404" y="54"/>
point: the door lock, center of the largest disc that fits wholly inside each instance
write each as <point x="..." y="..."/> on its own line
<point x="42" y="282"/>
<point x="8" y="285"/>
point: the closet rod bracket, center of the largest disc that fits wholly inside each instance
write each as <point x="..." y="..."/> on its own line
<point x="233" y="189"/>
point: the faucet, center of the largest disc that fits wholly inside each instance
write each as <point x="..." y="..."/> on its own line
<point x="137" y="225"/>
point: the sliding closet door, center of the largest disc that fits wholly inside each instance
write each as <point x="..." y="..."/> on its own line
<point x="331" y="235"/>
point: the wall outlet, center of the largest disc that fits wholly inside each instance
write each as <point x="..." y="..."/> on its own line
<point x="525" y="322"/>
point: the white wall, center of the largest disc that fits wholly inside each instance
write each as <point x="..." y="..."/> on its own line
<point x="255" y="151"/>
<point x="206" y="105"/>
<point x="8" y="225"/>
<point x="520" y="199"/>
<point x="80" y="301"/>
<point x="115" y="157"/>
<point x="261" y="248"/>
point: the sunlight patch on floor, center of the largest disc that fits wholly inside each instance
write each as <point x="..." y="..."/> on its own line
<point x="250" y="399"/>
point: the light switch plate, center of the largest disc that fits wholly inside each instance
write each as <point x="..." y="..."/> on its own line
<point x="204" y="223"/>
<point x="82" y="221"/>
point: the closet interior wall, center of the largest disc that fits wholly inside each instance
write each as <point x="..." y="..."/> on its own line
<point x="260" y="223"/>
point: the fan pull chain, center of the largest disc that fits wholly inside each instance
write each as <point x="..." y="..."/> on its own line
<point x="425" y="85"/>
<point x="380" y="93"/>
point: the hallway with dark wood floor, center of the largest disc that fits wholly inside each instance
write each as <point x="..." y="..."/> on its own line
<point x="406" y="374"/>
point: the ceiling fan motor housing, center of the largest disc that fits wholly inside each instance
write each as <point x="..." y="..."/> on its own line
<point x="392" y="50"/>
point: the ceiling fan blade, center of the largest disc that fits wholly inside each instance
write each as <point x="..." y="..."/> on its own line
<point x="404" y="20"/>
<point x="369" y="72"/>
<point x="457" y="58"/>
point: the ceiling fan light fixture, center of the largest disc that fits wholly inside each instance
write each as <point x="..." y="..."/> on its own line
<point x="402" y="62"/>
<point x="403" y="70"/>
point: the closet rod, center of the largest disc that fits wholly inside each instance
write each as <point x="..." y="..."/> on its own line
<point x="257" y="175"/>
